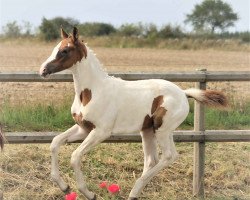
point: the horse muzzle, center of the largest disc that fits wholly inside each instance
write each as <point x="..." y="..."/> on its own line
<point x="44" y="72"/>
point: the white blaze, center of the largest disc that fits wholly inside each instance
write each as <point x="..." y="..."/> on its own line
<point x="49" y="59"/>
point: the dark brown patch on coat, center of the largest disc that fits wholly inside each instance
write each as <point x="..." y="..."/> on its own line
<point x="156" y="103"/>
<point x="88" y="126"/>
<point x="155" y="121"/>
<point x="148" y="123"/>
<point x="158" y="116"/>
<point x="77" y="118"/>
<point x="85" y="96"/>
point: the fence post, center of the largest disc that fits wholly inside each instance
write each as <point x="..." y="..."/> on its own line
<point x="199" y="147"/>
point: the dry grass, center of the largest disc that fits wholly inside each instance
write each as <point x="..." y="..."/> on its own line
<point x="175" y="43"/>
<point x="25" y="169"/>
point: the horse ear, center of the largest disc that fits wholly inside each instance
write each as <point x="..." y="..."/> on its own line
<point x="64" y="35"/>
<point x="75" y="34"/>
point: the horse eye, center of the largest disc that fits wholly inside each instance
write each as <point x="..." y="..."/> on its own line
<point x="64" y="52"/>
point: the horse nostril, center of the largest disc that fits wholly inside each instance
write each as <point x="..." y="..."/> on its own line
<point x="43" y="72"/>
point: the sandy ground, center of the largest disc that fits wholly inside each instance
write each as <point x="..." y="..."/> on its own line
<point x="29" y="56"/>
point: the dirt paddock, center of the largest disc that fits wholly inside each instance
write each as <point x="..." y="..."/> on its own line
<point x="29" y="56"/>
<point x="25" y="169"/>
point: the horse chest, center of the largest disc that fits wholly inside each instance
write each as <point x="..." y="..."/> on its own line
<point x="81" y="118"/>
<point x="76" y="106"/>
<point x="87" y="110"/>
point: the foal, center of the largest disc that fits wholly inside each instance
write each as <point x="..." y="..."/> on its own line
<point x="105" y="105"/>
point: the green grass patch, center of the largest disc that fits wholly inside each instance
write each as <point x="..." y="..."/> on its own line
<point x="58" y="118"/>
<point x="236" y="117"/>
<point x="36" y="117"/>
<point x="232" y="119"/>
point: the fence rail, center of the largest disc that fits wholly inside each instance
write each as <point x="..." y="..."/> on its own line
<point x="179" y="136"/>
<point x="199" y="136"/>
<point x="199" y="76"/>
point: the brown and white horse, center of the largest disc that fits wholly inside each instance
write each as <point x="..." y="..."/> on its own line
<point x="105" y="105"/>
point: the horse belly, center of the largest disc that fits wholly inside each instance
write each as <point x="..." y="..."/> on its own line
<point x="130" y="118"/>
<point x="128" y="124"/>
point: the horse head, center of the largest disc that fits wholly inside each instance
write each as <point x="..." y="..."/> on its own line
<point x="66" y="54"/>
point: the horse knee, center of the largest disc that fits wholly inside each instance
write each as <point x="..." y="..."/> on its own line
<point x="169" y="157"/>
<point x="152" y="162"/>
<point x="54" y="145"/>
<point x="53" y="148"/>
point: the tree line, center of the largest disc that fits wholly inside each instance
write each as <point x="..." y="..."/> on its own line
<point x="209" y="19"/>
<point x="49" y="30"/>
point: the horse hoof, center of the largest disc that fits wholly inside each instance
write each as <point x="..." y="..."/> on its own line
<point x="95" y="198"/>
<point x="67" y="190"/>
<point x="132" y="198"/>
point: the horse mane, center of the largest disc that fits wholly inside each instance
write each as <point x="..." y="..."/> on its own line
<point x="94" y="61"/>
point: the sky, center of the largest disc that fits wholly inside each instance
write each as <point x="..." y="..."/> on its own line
<point x="116" y="12"/>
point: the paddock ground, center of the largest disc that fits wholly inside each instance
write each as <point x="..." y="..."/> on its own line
<point x="29" y="56"/>
<point x="25" y="169"/>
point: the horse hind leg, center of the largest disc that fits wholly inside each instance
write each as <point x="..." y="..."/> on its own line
<point x="149" y="144"/>
<point x="169" y="155"/>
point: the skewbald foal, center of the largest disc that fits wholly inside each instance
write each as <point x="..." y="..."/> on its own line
<point x="105" y="105"/>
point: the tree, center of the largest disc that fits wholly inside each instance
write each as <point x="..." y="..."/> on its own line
<point x="149" y="30"/>
<point x="12" y="30"/>
<point x="135" y="30"/>
<point x="170" y="31"/>
<point x="96" y="29"/>
<point x="27" y="29"/>
<point x="212" y="15"/>
<point x="50" y="29"/>
<point x="67" y="23"/>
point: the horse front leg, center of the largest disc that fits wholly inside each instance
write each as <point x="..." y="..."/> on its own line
<point x="73" y="134"/>
<point x="94" y="138"/>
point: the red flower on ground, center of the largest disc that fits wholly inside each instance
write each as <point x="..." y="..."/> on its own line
<point x="71" y="196"/>
<point x="114" y="188"/>
<point x="103" y="184"/>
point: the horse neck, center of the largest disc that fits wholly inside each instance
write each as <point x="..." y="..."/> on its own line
<point x="88" y="73"/>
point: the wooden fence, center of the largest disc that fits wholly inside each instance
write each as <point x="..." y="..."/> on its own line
<point x="199" y="136"/>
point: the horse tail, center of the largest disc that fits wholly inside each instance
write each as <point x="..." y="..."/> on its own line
<point x="1" y="138"/>
<point x="210" y="98"/>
